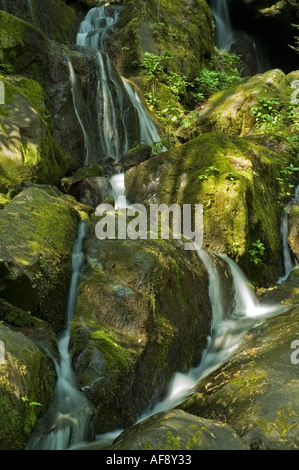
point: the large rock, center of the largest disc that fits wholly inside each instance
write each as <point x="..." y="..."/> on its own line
<point x="143" y="313"/>
<point x="88" y="186"/>
<point x="56" y="19"/>
<point x="29" y="149"/>
<point x="177" y="430"/>
<point x="187" y="30"/>
<point x="230" y="111"/>
<point x="26" y="383"/>
<point x="220" y="172"/>
<point x="36" y="240"/>
<point x="255" y="392"/>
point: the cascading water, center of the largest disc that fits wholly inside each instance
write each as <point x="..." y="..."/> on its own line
<point x="226" y="333"/>
<point x="65" y="423"/>
<point x="148" y="130"/>
<point x="288" y="260"/>
<point x="73" y="83"/>
<point x="95" y="26"/>
<point x="92" y="33"/>
<point x="224" y="339"/>
<point x="107" y="105"/>
<point x="223" y="28"/>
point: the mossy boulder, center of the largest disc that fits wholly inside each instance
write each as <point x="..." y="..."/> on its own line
<point x="294" y="229"/>
<point x="256" y="391"/>
<point x="27" y="378"/>
<point x="177" y="430"/>
<point x="136" y="155"/>
<point x="36" y="240"/>
<point x="29" y="149"/>
<point x="143" y="313"/>
<point x="235" y="180"/>
<point x="20" y="43"/>
<point x="230" y="110"/>
<point x="183" y="29"/>
<point x="54" y="17"/>
<point x="88" y="186"/>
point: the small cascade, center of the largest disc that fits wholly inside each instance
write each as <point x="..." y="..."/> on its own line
<point x="226" y="333"/>
<point x="111" y="111"/>
<point x="106" y="104"/>
<point x="118" y="190"/>
<point x="225" y="337"/>
<point x="74" y="86"/>
<point x="260" y="68"/>
<point x="148" y="130"/>
<point x="288" y="260"/>
<point x="223" y="27"/>
<point x="65" y="423"/>
<point x="95" y="26"/>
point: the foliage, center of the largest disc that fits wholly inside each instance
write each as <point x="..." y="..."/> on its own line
<point x="257" y="251"/>
<point x="275" y="114"/>
<point x="158" y="69"/>
<point x="223" y="72"/>
<point x="287" y="176"/>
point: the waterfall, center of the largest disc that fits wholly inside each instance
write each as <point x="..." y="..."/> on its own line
<point x="65" y="423"/>
<point x="288" y="261"/>
<point x="223" y="28"/>
<point x="148" y="130"/>
<point x="107" y="104"/>
<point x="95" y="26"/>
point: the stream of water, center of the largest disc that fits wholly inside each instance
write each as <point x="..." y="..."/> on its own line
<point x="66" y="420"/>
<point x="223" y="27"/>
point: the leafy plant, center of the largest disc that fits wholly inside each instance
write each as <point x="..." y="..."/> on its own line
<point x="210" y="171"/>
<point x="257" y="251"/>
<point x="285" y="181"/>
<point x="30" y="403"/>
<point x="222" y="73"/>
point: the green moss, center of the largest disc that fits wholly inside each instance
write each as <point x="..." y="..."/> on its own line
<point x="35" y="154"/>
<point x="114" y="353"/>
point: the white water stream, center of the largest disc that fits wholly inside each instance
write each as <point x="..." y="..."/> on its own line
<point x="288" y="260"/>
<point x="223" y="28"/>
<point x="65" y="423"/>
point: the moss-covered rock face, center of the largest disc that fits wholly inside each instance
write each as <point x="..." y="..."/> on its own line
<point x="294" y="230"/>
<point x="235" y="180"/>
<point x="36" y="241"/>
<point x="182" y="29"/>
<point x="256" y="391"/>
<point x="56" y="19"/>
<point x="230" y="111"/>
<point x="26" y="383"/>
<point x="143" y="313"/>
<point x="20" y="43"/>
<point x="29" y="149"/>
<point x="177" y="430"/>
